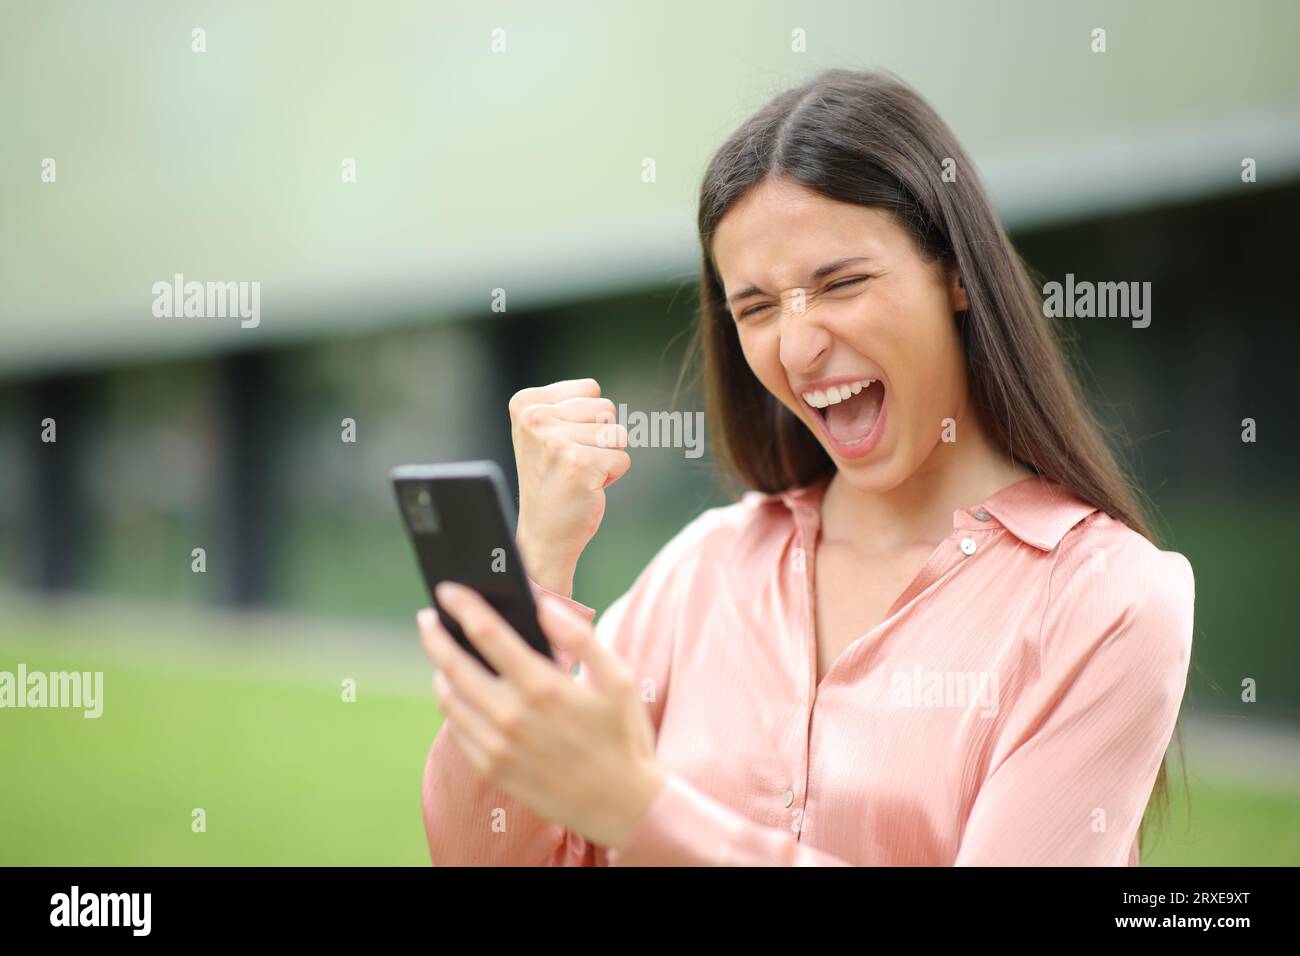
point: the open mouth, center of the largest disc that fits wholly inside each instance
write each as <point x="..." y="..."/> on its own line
<point x="849" y="412"/>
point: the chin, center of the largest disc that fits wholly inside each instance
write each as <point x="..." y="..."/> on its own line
<point x="879" y="475"/>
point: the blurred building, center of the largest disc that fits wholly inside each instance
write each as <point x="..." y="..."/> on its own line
<point x="392" y="174"/>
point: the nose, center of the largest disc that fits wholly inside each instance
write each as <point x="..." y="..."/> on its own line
<point x="805" y="342"/>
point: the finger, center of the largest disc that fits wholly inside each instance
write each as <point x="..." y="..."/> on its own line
<point x="565" y="628"/>
<point x="496" y="640"/>
<point x="553" y="393"/>
<point x="461" y="709"/>
<point x="431" y="634"/>
<point x="597" y="434"/>
<point x="441" y="648"/>
<point x="600" y="467"/>
<point x="468" y="721"/>
<point x="468" y="679"/>
<point x="472" y="751"/>
<point x="615" y="462"/>
<point x="584" y="409"/>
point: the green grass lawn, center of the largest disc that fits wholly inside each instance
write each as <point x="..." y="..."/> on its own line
<point x="288" y="773"/>
<point x="1218" y="824"/>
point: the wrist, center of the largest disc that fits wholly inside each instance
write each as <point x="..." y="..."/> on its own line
<point x="551" y="569"/>
<point x="647" y="785"/>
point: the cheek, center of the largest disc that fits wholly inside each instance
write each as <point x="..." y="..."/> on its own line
<point x="928" y="368"/>
<point x="762" y="351"/>
<point x="936" y="364"/>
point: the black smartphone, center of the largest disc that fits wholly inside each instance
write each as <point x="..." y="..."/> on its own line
<point x="460" y="518"/>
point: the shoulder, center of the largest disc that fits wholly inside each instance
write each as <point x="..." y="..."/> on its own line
<point x="717" y="544"/>
<point x="1103" y="556"/>
<point x="699" y="559"/>
<point x="1109" y="580"/>
<point x="727" y="529"/>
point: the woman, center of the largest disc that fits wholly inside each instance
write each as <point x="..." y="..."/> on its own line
<point x="934" y="632"/>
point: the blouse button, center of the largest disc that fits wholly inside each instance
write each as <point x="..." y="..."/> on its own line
<point x="789" y="797"/>
<point x="981" y="515"/>
<point x="967" y="546"/>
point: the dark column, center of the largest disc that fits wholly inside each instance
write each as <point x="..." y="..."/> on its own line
<point x="58" y="529"/>
<point x="516" y="347"/>
<point x="246" y="401"/>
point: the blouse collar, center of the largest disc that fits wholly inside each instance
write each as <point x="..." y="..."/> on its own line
<point x="1036" y="510"/>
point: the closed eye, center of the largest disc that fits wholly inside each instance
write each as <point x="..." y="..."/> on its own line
<point x="842" y="284"/>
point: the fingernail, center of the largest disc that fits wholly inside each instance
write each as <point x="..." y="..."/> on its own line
<point x="424" y="616"/>
<point x="445" y="591"/>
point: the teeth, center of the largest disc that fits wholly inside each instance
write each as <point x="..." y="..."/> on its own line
<point x="836" y="393"/>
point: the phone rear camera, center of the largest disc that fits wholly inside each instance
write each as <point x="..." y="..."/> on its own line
<point x="417" y="501"/>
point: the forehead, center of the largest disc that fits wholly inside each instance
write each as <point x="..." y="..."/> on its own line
<point x="780" y="231"/>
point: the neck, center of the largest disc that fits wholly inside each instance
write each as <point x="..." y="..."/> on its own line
<point x="919" y="511"/>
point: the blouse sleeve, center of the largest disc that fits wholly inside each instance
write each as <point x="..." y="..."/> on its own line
<point x="1078" y="756"/>
<point x="685" y="827"/>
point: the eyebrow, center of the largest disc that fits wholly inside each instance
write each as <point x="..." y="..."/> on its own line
<point x="821" y="272"/>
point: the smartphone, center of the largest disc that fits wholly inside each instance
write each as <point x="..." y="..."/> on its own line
<point x="460" y="519"/>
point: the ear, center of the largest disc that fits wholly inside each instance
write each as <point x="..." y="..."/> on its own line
<point x="957" y="291"/>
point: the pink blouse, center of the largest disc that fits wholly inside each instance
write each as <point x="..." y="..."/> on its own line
<point x="1012" y="708"/>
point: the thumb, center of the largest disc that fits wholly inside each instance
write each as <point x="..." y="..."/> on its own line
<point x="575" y="635"/>
<point x="616" y="473"/>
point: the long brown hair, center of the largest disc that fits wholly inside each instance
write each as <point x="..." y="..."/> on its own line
<point x="866" y="137"/>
